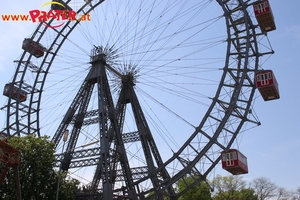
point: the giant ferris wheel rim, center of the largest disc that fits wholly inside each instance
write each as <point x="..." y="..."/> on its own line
<point x="241" y="73"/>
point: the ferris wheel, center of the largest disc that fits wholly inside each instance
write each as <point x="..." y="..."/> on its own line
<point x="148" y="92"/>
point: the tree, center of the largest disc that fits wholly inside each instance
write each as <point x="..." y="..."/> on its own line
<point x="284" y="194"/>
<point x="200" y="191"/>
<point x="38" y="178"/>
<point x="232" y="188"/>
<point x="297" y="193"/>
<point x="247" y="194"/>
<point x="264" y="188"/>
<point x="68" y="187"/>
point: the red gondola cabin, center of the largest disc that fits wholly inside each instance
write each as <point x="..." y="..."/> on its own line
<point x="267" y="85"/>
<point x="234" y="162"/>
<point x="16" y="93"/>
<point x="264" y="15"/>
<point x="34" y="48"/>
<point x="2" y="135"/>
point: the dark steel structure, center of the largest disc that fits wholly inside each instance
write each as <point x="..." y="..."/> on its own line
<point x="116" y="176"/>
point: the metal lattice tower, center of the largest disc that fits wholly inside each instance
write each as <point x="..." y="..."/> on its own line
<point x="110" y="119"/>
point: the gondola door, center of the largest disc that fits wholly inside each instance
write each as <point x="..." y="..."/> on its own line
<point x="263" y="79"/>
<point x="229" y="159"/>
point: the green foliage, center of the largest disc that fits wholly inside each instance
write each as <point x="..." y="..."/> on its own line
<point x="199" y="191"/>
<point x="68" y="187"/>
<point x="37" y="175"/>
<point x="232" y="188"/>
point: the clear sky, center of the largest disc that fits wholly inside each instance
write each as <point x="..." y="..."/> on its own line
<point x="272" y="148"/>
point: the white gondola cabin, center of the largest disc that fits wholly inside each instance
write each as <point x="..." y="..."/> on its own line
<point x="34" y="48"/>
<point x="234" y="162"/>
<point x="264" y="15"/>
<point x="16" y="93"/>
<point x="267" y="85"/>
